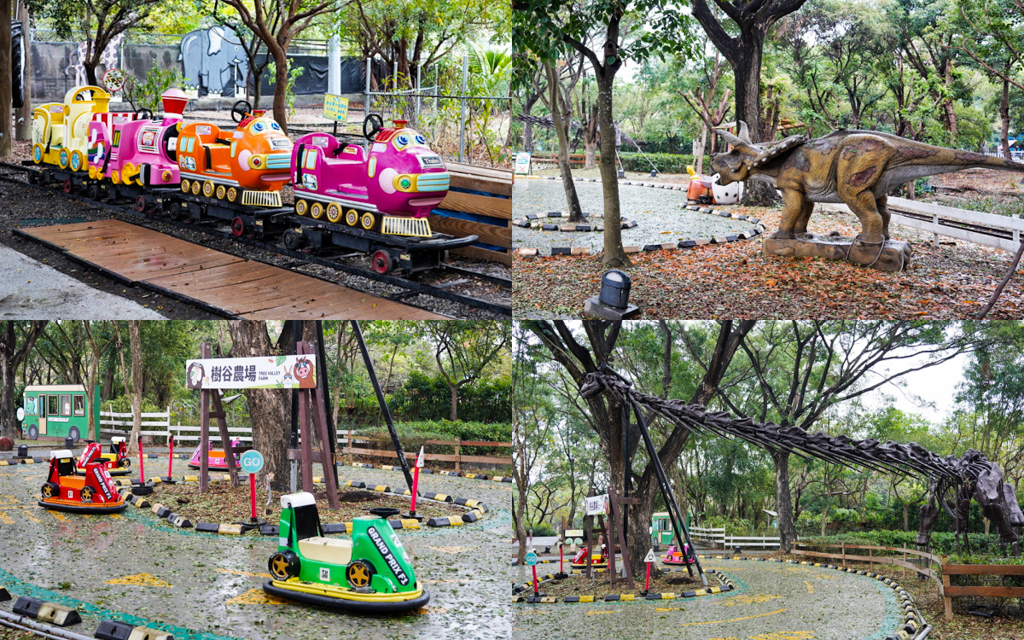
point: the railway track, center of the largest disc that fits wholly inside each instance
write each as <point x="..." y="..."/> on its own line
<point x="449" y="276"/>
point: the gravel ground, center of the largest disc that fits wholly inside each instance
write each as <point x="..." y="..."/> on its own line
<point x="944" y="281"/>
<point x="659" y="214"/>
<point x="26" y="205"/>
<point x="771" y="602"/>
<point x="212" y="584"/>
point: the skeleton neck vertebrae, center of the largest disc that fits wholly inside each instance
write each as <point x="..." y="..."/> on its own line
<point x="953" y="481"/>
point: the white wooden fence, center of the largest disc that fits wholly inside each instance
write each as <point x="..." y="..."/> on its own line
<point x="941" y="217"/>
<point x="717" y="536"/>
<point x="159" y="424"/>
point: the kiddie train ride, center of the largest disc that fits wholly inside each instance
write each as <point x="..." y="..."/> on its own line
<point x="375" y="202"/>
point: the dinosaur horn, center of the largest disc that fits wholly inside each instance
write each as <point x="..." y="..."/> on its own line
<point x="744" y="132"/>
<point x="733" y="140"/>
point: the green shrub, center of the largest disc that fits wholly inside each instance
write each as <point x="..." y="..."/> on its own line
<point x="415" y="434"/>
<point x="664" y="162"/>
<point x="146" y="94"/>
<point x="943" y="542"/>
<point x="541" y="529"/>
<point x="426" y="398"/>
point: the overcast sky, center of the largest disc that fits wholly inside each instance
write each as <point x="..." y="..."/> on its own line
<point x="936" y="385"/>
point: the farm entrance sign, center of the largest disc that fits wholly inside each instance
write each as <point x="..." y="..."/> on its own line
<point x="270" y="372"/>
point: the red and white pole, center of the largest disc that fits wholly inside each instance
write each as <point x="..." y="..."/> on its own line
<point x="142" y="469"/>
<point x="647" y="583"/>
<point x="536" y="588"/>
<point x="416" y="482"/>
<point x="561" y="558"/>
<point x="252" y="496"/>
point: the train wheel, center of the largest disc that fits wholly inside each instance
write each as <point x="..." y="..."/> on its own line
<point x="63" y="158"/>
<point x="68" y="186"/>
<point x="292" y="239"/>
<point x="351" y="217"/>
<point x="174" y="211"/>
<point x="316" y="210"/>
<point x="237" y="227"/>
<point x="381" y="262"/>
<point x="115" y="177"/>
<point x="93" y="192"/>
<point x="334" y="212"/>
<point x="140" y="204"/>
<point x="221" y="191"/>
<point x="232" y="194"/>
<point x="77" y="161"/>
<point x="37" y="153"/>
<point x="367" y="220"/>
<point x="301" y="207"/>
<point x="127" y="172"/>
<point x="185" y="185"/>
<point x="208" y="189"/>
<point x="196" y="186"/>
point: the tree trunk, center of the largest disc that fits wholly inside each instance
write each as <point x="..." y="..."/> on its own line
<point x="590" y="149"/>
<point x="747" y="71"/>
<point x="614" y="254"/>
<point x="453" y="390"/>
<point x="23" y="125"/>
<point x="135" y="345"/>
<point x="6" y="91"/>
<point x="90" y="71"/>
<point x="11" y="357"/>
<point x="783" y="501"/>
<point x="269" y="409"/>
<point x="562" y="133"/>
<point x="1004" y="117"/>
<point x="281" y="87"/>
<point x="698" y="150"/>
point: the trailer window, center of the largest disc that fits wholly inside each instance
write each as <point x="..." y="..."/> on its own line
<point x="65" y="404"/>
<point x="79" y="405"/>
<point x="310" y="162"/>
<point x="53" y="405"/>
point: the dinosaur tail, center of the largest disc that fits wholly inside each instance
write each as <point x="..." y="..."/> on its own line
<point x="971" y="159"/>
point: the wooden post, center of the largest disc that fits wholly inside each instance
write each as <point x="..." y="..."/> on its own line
<point x="844" y="555"/>
<point x="871" y="562"/>
<point x="225" y="437"/>
<point x="947" y="600"/>
<point x="458" y="456"/>
<point x="204" y="429"/>
<point x="317" y="396"/>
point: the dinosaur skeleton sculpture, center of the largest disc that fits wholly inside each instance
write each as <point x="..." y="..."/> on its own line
<point x="858" y="168"/>
<point x="953" y="481"/>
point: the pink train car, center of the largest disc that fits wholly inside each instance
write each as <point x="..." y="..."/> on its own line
<point x="389" y="190"/>
<point x="140" y="151"/>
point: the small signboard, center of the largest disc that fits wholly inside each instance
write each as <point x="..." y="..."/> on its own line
<point x="650" y="556"/>
<point x="522" y="163"/>
<point x="597" y="505"/>
<point x="335" y="108"/>
<point x="271" y="372"/>
<point x="531" y="558"/>
<point x="251" y="461"/>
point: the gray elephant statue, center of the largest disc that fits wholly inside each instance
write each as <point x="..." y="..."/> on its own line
<point x="214" y="61"/>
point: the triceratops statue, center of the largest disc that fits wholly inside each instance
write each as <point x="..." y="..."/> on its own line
<point x="858" y="168"/>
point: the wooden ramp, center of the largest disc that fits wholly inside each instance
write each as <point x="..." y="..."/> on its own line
<point x="217" y="281"/>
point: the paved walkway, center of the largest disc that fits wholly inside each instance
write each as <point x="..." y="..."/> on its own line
<point x="771" y="602"/>
<point x="31" y="290"/>
<point x="207" y="587"/>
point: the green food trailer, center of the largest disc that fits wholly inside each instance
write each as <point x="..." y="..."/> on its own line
<point x="661" y="528"/>
<point x="59" y="411"/>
